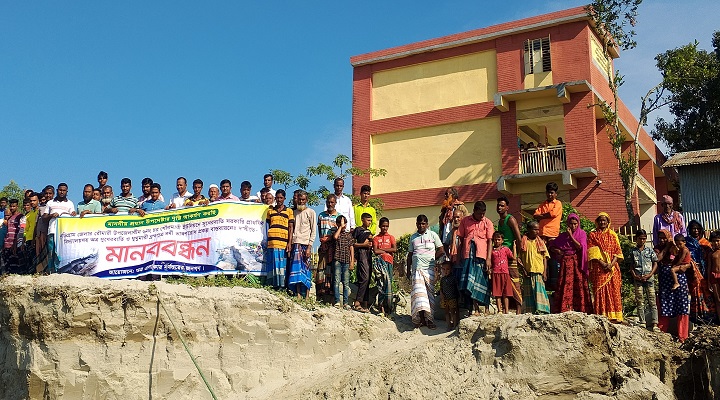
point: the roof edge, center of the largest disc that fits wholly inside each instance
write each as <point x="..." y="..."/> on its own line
<point x="474" y="36"/>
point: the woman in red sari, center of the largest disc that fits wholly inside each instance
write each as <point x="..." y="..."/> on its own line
<point x="604" y="254"/>
<point x="570" y="250"/>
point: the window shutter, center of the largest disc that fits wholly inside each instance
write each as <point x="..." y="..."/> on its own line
<point x="528" y="58"/>
<point x="546" y="66"/>
<point x="537" y="56"/>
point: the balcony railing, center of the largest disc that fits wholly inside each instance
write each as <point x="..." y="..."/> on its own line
<point x="550" y="158"/>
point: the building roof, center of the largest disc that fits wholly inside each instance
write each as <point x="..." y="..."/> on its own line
<point x="477" y="35"/>
<point x="694" y="157"/>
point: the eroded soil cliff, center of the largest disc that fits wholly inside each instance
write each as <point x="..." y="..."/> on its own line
<point x="67" y="337"/>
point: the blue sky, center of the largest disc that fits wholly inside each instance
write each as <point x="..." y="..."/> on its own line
<point x="229" y="89"/>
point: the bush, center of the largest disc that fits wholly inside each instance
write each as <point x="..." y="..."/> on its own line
<point x="628" y="289"/>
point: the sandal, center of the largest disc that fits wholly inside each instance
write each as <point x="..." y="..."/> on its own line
<point x="431" y="325"/>
<point x="360" y="309"/>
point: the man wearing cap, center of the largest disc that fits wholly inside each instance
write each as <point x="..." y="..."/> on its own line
<point x="668" y="219"/>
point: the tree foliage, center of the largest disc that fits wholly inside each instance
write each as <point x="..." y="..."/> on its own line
<point x="340" y="167"/>
<point x="12" y="191"/>
<point x="614" y="20"/>
<point x="692" y="79"/>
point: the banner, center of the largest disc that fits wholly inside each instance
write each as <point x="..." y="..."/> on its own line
<point x="222" y="238"/>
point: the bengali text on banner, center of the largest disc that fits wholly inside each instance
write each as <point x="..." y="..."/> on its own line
<point x="222" y="238"/>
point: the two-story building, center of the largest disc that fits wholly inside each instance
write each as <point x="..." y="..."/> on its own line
<point x="495" y="111"/>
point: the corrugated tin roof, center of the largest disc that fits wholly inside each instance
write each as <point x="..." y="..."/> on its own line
<point x="694" y="157"/>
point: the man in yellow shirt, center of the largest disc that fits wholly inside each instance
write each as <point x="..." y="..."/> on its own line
<point x="365" y="208"/>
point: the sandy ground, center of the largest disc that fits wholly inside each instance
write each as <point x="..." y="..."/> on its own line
<point x="67" y="337"/>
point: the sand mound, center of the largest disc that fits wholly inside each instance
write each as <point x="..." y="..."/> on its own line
<point x="67" y="337"/>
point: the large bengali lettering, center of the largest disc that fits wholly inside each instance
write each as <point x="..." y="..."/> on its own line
<point x="216" y="239"/>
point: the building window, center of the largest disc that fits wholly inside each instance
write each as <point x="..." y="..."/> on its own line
<point x="537" y="56"/>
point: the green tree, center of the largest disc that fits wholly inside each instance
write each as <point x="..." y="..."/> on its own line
<point x="283" y="178"/>
<point x="12" y="191"/>
<point x="342" y="168"/>
<point x="613" y="21"/>
<point x="692" y="79"/>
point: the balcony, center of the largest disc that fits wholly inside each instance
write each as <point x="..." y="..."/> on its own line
<point x="545" y="159"/>
<point x="540" y="166"/>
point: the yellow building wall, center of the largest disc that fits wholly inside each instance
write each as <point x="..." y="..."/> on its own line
<point x="598" y="56"/>
<point x="402" y="220"/>
<point x="538" y="80"/>
<point x="465" y="153"/>
<point x="434" y="85"/>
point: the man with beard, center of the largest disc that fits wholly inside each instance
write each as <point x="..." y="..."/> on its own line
<point x="213" y="193"/>
<point x="88" y="205"/>
<point x="107" y="196"/>
<point x="300" y="278"/>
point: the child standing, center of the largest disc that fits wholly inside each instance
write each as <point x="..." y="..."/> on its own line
<point x="533" y="262"/>
<point x="645" y="263"/>
<point x="683" y="257"/>
<point x="449" y="295"/>
<point x="363" y="248"/>
<point x="344" y="260"/>
<point x="502" y="287"/>
<point x="384" y="248"/>
<point x="326" y="222"/>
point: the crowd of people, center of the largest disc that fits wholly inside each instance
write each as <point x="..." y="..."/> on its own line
<point x="481" y="263"/>
<point x="476" y="262"/>
<point x="27" y="230"/>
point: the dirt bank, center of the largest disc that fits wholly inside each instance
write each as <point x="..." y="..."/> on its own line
<point x="66" y="337"/>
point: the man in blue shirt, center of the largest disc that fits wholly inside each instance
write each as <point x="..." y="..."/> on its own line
<point x="153" y="204"/>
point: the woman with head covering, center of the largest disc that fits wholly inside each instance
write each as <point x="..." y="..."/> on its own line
<point x="673" y="303"/>
<point x="570" y="250"/>
<point x="702" y="304"/>
<point x="604" y="255"/>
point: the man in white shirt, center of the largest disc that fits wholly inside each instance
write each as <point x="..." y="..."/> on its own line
<point x="344" y="205"/>
<point x="178" y="199"/>
<point x="55" y="208"/>
<point x="267" y="183"/>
